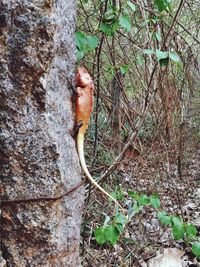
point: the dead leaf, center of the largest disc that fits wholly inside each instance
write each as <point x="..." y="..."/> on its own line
<point x="170" y="258"/>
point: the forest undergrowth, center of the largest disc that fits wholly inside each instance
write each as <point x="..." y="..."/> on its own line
<point x="143" y="140"/>
<point x="155" y="170"/>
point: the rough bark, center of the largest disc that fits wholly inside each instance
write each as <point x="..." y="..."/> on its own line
<point x="37" y="153"/>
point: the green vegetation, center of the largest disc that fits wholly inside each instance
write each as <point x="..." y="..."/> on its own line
<point x="113" y="229"/>
<point x="143" y="57"/>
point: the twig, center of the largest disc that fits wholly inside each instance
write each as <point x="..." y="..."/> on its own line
<point x="29" y="200"/>
<point x="175" y="18"/>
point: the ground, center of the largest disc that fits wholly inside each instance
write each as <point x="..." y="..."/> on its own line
<point x="179" y="192"/>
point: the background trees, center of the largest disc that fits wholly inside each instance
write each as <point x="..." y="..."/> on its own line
<point x="144" y="58"/>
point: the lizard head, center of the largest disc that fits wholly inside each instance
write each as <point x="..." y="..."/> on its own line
<point x="83" y="78"/>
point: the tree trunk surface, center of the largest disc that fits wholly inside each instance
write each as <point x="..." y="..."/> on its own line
<point x="37" y="153"/>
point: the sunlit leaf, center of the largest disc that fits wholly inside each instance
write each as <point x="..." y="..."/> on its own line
<point x="107" y="219"/>
<point x="136" y="208"/>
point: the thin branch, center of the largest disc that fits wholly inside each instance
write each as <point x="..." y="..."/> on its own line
<point x="175" y="18"/>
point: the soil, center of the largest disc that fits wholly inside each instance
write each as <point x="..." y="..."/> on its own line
<point x="176" y="179"/>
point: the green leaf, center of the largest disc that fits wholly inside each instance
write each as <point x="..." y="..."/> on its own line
<point x="155" y="201"/>
<point x="161" y="55"/>
<point x="124" y="69"/>
<point x="158" y="36"/>
<point x="133" y="194"/>
<point x="143" y="200"/>
<point x="112" y="234"/>
<point x="178" y="231"/>
<point x="121" y="219"/>
<point x="161" y="214"/>
<point x="105" y="28"/>
<point x="109" y="29"/>
<point x="92" y="41"/>
<point x="120" y="227"/>
<point x="79" y="55"/>
<point x="84" y="44"/>
<point x="131" y="5"/>
<point x="136" y="208"/>
<point x="173" y="56"/>
<point x="119" y="193"/>
<point x="109" y="16"/>
<point x="164" y="218"/>
<point x="125" y="22"/>
<point x="114" y="26"/>
<point x="161" y="5"/>
<point x="148" y="51"/>
<point x="191" y="230"/>
<point x="114" y="195"/>
<point x="196" y="249"/>
<point x="80" y="39"/>
<point x="176" y="220"/>
<point x="100" y="235"/>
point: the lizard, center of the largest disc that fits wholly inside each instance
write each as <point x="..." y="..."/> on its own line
<point x="83" y="110"/>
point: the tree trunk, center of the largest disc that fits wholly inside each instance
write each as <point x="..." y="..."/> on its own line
<point x="37" y="153"/>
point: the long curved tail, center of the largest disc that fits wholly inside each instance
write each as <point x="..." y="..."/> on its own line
<point x="80" y="148"/>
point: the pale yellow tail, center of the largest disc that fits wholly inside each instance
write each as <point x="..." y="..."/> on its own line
<point x="80" y="147"/>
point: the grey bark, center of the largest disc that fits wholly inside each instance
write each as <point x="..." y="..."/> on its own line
<point x="37" y="153"/>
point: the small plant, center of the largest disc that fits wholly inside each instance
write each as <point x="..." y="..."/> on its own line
<point x="111" y="232"/>
<point x="85" y="44"/>
<point x="113" y="228"/>
<point x="181" y="230"/>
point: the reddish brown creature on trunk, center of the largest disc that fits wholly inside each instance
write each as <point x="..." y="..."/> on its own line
<point x="83" y="110"/>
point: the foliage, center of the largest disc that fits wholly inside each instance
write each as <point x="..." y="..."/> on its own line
<point x="84" y="44"/>
<point x="112" y="229"/>
<point x="154" y="44"/>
